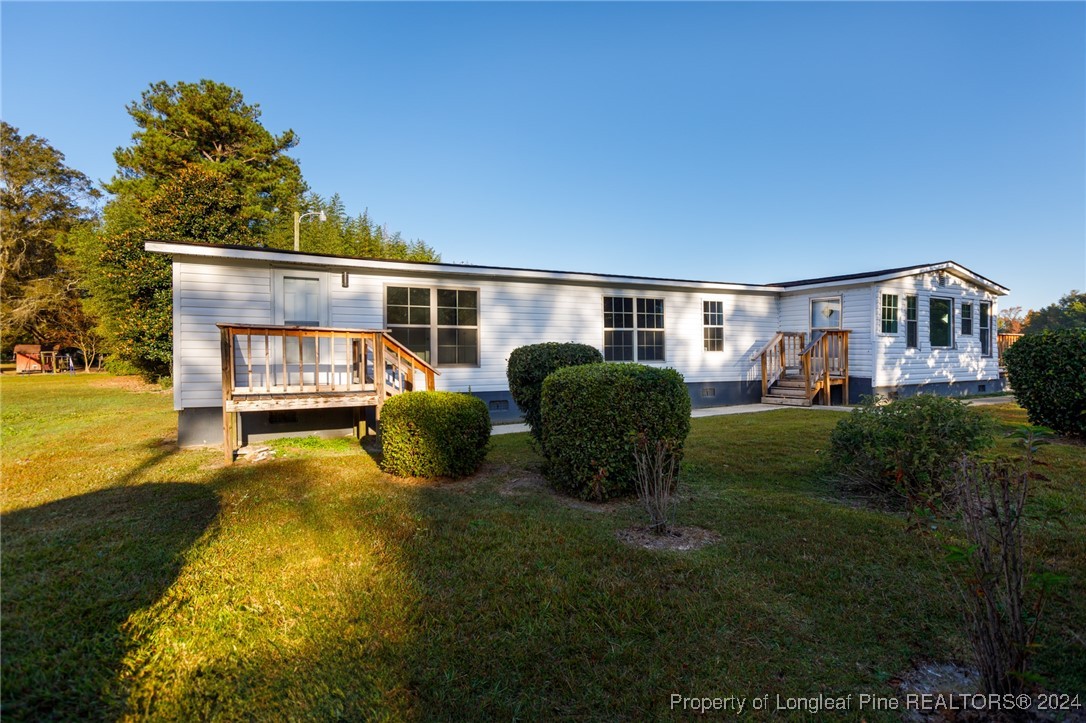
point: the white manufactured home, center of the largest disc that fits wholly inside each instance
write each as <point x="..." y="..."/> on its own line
<point x="280" y="342"/>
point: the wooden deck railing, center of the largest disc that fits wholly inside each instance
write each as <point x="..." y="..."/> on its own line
<point x="271" y="368"/>
<point x="1005" y="342"/>
<point x="824" y="362"/>
<point x="778" y="355"/>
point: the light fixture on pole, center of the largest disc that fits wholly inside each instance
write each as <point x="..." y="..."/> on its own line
<point x="298" y="224"/>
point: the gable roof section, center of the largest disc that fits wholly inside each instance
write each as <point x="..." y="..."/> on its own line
<point x="951" y="267"/>
<point x="420" y="268"/>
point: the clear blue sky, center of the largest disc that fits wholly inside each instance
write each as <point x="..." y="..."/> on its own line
<point x="729" y="141"/>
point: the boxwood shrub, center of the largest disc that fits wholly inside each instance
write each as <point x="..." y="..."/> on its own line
<point x="907" y="448"/>
<point x="434" y="434"/>
<point x="530" y="365"/>
<point x="1048" y="374"/>
<point x="592" y="416"/>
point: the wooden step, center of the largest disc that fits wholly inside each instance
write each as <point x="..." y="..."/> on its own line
<point x="787" y="401"/>
<point x="790" y="384"/>
<point x="787" y="392"/>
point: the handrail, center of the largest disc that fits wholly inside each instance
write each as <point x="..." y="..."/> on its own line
<point x="776" y="354"/>
<point x="290" y="361"/>
<point x="825" y="359"/>
<point x="815" y="338"/>
<point x="768" y="345"/>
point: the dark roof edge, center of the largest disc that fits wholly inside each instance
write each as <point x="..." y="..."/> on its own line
<point x="291" y="252"/>
<point x="884" y="272"/>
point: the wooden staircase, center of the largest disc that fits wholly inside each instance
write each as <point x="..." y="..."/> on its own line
<point x="789" y="390"/>
<point x="796" y="374"/>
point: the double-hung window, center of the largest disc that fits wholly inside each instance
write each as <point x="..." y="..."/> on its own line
<point x="941" y="322"/>
<point x="633" y="329"/>
<point x="713" y="319"/>
<point x="985" y="328"/>
<point x="889" y="313"/>
<point x="911" y="324"/>
<point x="441" y="324"/>
<point x="967" y="319"/>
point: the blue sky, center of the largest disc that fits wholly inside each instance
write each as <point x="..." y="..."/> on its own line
<point x="751" y="142"/>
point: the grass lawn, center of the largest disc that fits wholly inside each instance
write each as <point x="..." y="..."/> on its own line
<point x="140" y="580"/>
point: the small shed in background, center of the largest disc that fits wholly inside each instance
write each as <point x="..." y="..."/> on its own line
<point x="31" y="358"/>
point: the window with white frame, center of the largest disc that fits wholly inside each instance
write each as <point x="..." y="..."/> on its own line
<point x="713" y="319"/>
<point x="941" y="322"/>
<point x="633" y="329"/>
<point x="985" y="328"/>
<point x="826" y="313"/>
<point x="441" y="324"/>
<point x="967" y="319"/>
<point x="889" y="313"/>
<point x="911" y="323"/>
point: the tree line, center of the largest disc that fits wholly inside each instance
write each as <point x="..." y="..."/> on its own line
<point x="201" y="168"/>
<point x="1067" y="313"/>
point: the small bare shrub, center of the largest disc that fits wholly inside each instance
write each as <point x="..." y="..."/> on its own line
<point x="1003" y="601"/>
<point x="657" y="463"/>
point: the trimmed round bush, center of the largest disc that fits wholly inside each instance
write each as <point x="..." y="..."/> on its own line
<point x="434" y="434"/>
<point x="908" y="448"/>
<point x="1048" y="374"/>
<point x="530" y="365"/>
<point x="593" y="415"/>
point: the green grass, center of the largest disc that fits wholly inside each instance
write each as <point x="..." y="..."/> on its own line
<point x="139" y="580"/>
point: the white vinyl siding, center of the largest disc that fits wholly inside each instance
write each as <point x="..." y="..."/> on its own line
<point x="857" y="315"/>
<point x="206" y="294"/>
<point x="898" y="365"/>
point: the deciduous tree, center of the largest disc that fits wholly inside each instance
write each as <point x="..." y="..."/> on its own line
<point x="41" y="199"/>
<point x="1067" y="313"/>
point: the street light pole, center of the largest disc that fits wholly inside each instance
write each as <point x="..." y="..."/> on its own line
<point x="298" y="225"/>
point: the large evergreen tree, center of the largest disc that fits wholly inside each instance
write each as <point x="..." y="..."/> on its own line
<point x="210" y="124"/>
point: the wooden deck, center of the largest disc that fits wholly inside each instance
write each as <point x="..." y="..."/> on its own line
<point x="796" y="373"/>
<point x="278" y="368"/>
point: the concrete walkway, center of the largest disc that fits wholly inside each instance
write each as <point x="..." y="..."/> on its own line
<point x="754" y="408"/>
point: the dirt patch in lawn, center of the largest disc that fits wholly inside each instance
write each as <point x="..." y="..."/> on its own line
<point x="677" y="538"/>
<point x="534" y="483"/>
<point x="128" y="384"/>
<point x="955" y="694"/>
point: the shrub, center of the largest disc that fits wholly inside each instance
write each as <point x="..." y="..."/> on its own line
<point x="657" y="476"/>
<point x="593" y="415"/>
<point x="1003" y="600"/>
<point x="434" y="434"/>
<point x="1048" y="374"/>
<point x="907" y="448"/>
<point x="530" y="365"/>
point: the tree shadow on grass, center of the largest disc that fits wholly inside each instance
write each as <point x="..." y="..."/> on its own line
<point x="73" y="571"/>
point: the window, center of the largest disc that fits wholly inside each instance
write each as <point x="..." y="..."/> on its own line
<point x="967" y="319"/>
<point x="630" y="336"/>
<point x="826" y="313"/>
<point x="457" y="326"/>
<point x="910" y="322"/>
<point x="713" y="313"/>
<point x="941" y="322"/>
<point x="985" y="328"/>
<point x="889" y="313"/>
<point x="301" y="301"/>
<point x="448" y="319"/>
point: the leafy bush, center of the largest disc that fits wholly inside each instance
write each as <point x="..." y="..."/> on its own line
<point x="530" y="365"/>
<point x="593" y="415"/>
<point x="908" y="448"/>
<point x="434" y="434"/>
<point x="1048" y="374"/>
